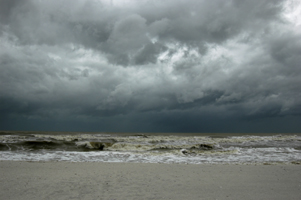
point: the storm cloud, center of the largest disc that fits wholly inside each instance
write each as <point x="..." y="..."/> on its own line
<point x="151" y="66"/>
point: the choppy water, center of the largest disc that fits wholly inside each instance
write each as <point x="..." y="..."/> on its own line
<point x="193" y="149"/>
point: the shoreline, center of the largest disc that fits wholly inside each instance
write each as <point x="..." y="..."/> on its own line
<point x="102" y="180"/>
<point x="292" y="163"/>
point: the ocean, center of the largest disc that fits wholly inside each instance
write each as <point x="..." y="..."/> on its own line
<point x="190" y="148"/>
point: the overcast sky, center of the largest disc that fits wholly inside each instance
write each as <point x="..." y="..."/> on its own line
<point x="150" y="65"/>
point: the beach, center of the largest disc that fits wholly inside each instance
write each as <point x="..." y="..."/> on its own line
<point x="98" y="180"/>
<point x="147" y="166"/>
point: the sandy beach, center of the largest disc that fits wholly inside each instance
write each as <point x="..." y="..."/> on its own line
<point x="66" y="180"/>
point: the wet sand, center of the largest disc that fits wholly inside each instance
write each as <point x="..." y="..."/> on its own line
<point x="65" y="180"/>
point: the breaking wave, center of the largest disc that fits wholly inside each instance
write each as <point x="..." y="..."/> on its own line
<point x="151" y="148"/>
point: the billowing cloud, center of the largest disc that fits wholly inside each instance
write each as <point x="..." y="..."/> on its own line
<point x="151" y="65"/>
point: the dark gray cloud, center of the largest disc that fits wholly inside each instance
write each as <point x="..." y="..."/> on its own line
<point x="150" y="65"/>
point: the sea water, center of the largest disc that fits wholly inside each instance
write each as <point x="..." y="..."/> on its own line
<point x="151" y="148"/>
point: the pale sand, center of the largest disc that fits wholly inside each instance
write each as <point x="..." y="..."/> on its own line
<point x="63" y="180"/>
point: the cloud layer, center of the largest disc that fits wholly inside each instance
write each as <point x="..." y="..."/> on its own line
<point x="169" y="65"/>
